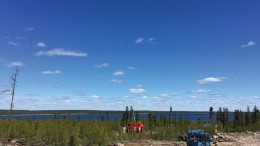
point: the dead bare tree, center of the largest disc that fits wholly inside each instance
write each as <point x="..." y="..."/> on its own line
<point x="13" y="86"/>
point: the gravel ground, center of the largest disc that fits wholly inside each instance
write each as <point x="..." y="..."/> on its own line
<point x="227" y="139"/>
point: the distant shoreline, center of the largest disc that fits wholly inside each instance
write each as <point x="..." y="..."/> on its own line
<point x="49" y="112"/>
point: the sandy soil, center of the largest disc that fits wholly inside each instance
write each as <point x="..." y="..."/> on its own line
<point x="223" y="139"/>
<point x="240" y="139"/>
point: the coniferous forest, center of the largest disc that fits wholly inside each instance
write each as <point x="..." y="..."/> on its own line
<point x="69" y="131"/>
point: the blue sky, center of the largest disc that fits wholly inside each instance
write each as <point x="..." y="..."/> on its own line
<point x="151" y="55"/>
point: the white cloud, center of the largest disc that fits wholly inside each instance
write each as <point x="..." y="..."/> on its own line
<point x="139" y="40"/>
<point x="102" y="65"/>
<point x="162" y="98"/>
<point x="143" y="40"/>
<point x="29" y="29"/>
<point x="116" y="81"/>
<point x="136" y="90"/>
<point x="151" y="39"/>
<point x="201" y="91"/>
<point x="250" y="43"/>
<point x="145" y="97"/>
<point x="16" y="63"/>
<point x="94" y="96"/>
<point x="51" y="72"/>
<point x="118" y="73"/>
<point x="193" y="97"/>
<point x="209" y="80"/>
<point x="132" y="68"/>
<point x="61" y="52"/>
<point x="41" y="44"/>
<point x="14" y="44"/>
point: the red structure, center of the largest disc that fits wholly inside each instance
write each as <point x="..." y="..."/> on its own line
<point x="136" y="127"/>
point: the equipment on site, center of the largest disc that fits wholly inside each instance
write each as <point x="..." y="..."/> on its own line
<point x="137" y="127"/>
<point x="196" y="138"/>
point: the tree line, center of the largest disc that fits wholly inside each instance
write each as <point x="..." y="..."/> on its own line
<point x="243" y="120"/>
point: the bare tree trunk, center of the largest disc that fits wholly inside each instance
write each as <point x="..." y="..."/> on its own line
<point x="13" y="83"/>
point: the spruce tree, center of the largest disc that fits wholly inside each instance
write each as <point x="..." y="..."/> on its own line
<point x="247" y="116"/>
<point x="211" y="113"/>
<point x="170" y="114"/>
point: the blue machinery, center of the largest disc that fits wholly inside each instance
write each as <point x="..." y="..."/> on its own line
<point x="198" y="138"/>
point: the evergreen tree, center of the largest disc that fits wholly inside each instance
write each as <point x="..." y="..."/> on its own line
<point x="127" y="115"/>
<point x="150" y="120"/>
<point x="247" y="116"/>
<point x="137" y="117"/>
<point x="123" y="120"/>
<point x="131" y="114"/>
<point x="219" y="115"/>
<point x="170" y="114"/>
<point x="237" y="119"/>
<point x="225" y="117"/>
<point x="256" y="115"/>
<point x="211" y="113"/>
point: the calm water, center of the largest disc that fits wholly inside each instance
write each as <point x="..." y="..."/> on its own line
<point x="189" y="116"/>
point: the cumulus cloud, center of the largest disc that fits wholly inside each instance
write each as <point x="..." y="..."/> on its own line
<point x="118" y="73"/>
<point x="52" y="72"/>
<point x="29" y="29"/>
<point x="209" y="80"/>
<point x="102" y="65"/>
<point x="200" y="91"/>
<point x="41" y="44"/>
<point x="94" y="96"/>
<point x="151" y="39"/>
<point x="139" y="90"/>
<point x="13" y="43"/>
<point x="16" y="63"/>
<point x="250" y="43"/>
<point x="132" y="68"/>
<point x="61" y="52"/>
<point x="139" y="40"/>
<point x="116" y="81"/>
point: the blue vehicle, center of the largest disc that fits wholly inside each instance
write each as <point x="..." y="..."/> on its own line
<point x="198" y="138"/>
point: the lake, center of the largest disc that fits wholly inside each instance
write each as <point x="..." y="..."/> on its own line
<point x="193" y="116"/>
